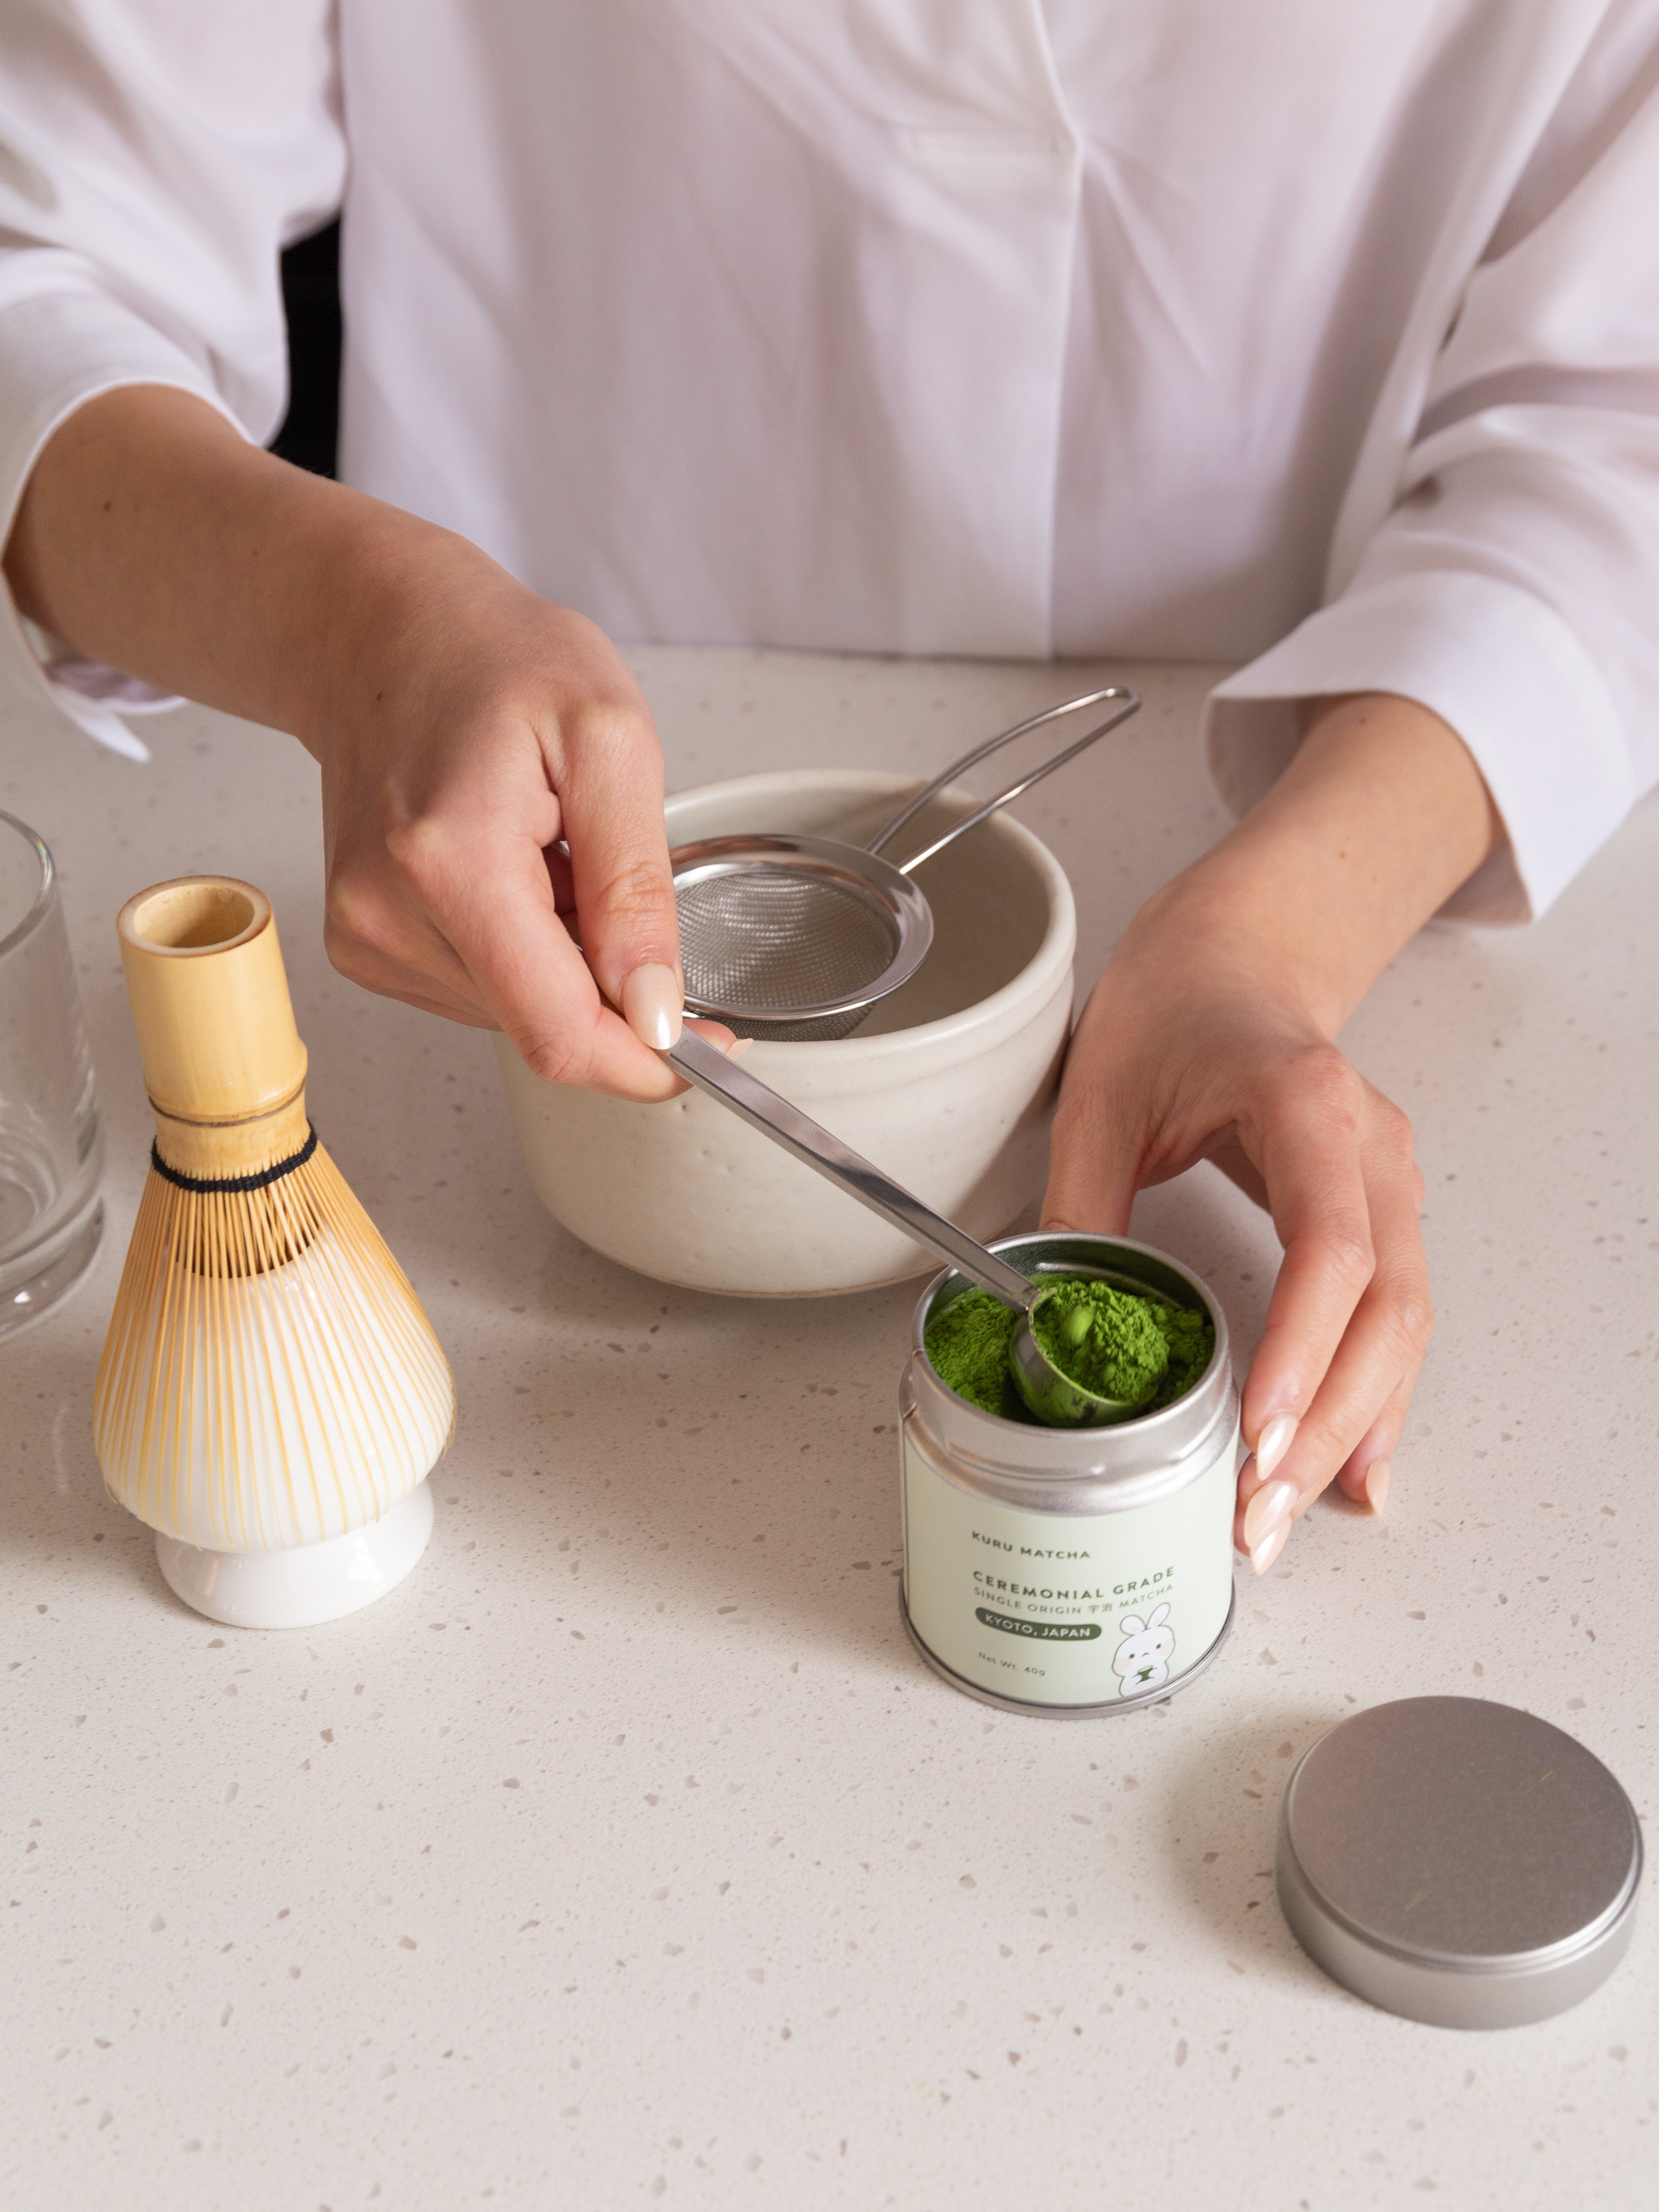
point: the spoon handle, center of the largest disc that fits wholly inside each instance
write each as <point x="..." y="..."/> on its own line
<point x="706" y="1065"/>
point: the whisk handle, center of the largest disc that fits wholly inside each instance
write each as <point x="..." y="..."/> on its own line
<point x="706" y="1065"/>
<point x="1129" y="702"/>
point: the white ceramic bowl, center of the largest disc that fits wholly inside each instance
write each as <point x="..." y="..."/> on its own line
<point x="948" y="1085"/>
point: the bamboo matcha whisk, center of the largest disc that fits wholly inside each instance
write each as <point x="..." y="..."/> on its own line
<point x="269" y="1380"/>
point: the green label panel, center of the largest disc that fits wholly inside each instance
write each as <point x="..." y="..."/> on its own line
<point x="1055" y="1608"/>
<point x="1047" y="1632"/>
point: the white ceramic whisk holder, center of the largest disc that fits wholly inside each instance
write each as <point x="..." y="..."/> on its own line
<point x="304" y="1587"/>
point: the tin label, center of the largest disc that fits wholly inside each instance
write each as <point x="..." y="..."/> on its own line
<point x="1064" y="1608"/>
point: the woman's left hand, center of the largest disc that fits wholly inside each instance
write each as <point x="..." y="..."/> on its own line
<point x="1219" y="1067"/>
<point x="1210" y="1036"/>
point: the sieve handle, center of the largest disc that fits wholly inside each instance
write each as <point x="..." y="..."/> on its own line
<point x="1129" y="703"/>
<point x="708" y="1067"/>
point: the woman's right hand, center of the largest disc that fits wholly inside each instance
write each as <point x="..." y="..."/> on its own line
<point x="465" y="728"/>
<point x="485" y="725"/>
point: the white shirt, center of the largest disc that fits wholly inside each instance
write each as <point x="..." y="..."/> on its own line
<point x="1323" y="337"/>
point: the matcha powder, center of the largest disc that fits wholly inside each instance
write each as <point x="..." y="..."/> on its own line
<point x="1138" y="1350"/>
<point x="968" y="1344"/>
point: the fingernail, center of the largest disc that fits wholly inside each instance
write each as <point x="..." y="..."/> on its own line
<point x="1273" y="1442"/>
<point x="738" y="1047"/>
<point x="653" y="1005"/>
<point x="1376" y="1484"/>
<point x="1270" y="1509"/>
<point x="1269" y="1548"/>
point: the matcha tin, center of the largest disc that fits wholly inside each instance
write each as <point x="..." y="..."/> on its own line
<point x="1069" y="1571"/>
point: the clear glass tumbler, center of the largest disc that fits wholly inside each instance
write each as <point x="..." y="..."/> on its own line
<point x="51" y="1149"/>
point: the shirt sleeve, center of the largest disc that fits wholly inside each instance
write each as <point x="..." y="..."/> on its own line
<point x="1511" y="588"/>
<point x="154" y="161"/>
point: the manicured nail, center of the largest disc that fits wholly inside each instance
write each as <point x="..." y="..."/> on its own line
<point x="1269" y="1548"/>
<point x="1270" y="1509"/>
<point x="1273" y="1442"/>
<point x="1376" y="1484"/>
<point x="652" y="1005"/>
<point x="738" y="1047"/>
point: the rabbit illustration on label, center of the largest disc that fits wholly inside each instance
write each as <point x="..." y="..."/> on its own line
<point x="1143" y="1658"/>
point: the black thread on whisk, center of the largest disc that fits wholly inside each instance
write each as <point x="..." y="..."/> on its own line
<point x="234" y="1183"/>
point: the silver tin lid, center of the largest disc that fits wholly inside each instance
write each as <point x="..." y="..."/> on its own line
<point x="1459" y="1862"/>
<point x="1084" y="1470"/>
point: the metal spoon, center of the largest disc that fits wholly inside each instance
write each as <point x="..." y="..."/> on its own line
<point x="1052" y="1395"/>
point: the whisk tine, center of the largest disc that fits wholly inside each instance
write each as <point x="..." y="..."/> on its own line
<point x="269" y="1380"/>
<point x="349" y="1389"/>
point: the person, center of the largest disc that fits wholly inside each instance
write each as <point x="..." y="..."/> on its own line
<point x="1323" y="340"/>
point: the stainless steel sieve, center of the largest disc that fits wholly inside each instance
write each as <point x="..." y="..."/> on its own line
<point x="795" y="939"/>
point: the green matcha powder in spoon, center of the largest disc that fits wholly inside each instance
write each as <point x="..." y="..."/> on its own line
<point x="1140" y="1352"/>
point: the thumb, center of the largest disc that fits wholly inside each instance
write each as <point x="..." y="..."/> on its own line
<point x="1093" y="1166"/>
<point x="611" y="805"/>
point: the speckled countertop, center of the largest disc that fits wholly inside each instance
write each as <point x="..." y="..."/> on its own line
<point x="626" y="1853"/>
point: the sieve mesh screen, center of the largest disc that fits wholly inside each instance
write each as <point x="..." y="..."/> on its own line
<point x="769" y="938"/>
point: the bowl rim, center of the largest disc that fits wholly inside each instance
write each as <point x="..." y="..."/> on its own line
<point x="1054" y="954"/>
